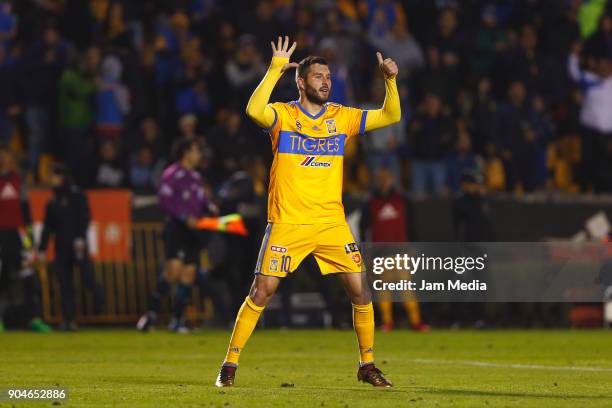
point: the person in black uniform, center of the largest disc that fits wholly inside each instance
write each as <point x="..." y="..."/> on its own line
<point x="472" y="224"/>
<point x="67" y="218"/>
<point x="470" y="210"/>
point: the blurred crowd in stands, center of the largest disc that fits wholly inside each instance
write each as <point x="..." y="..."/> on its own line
<point x="516" y="92"/>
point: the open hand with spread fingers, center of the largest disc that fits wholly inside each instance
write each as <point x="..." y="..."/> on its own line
<point x="387" y="66"/>
<point x="281" y="49"/>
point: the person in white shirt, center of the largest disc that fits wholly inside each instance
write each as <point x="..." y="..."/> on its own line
<point x="595" y="118"/>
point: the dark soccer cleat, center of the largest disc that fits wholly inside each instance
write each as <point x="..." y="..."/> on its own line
<point x="372" y="375"/>
<point x="226" y="376"/>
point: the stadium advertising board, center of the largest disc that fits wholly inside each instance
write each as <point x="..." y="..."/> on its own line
<point x="109" y="231"/>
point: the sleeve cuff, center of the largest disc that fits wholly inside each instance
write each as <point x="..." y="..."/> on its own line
<point x="278" y="62"/>
<point x="362" y="124"/>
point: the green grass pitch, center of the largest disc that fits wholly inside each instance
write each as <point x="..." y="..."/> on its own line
<point x="104" y="368"/>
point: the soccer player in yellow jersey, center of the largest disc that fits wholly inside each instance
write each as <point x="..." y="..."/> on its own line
<point x="305" y="212"/>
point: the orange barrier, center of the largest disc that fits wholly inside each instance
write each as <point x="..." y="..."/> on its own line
<point x="109" y="233"/>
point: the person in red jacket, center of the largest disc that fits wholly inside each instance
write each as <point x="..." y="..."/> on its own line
<point x="15" y="240"/>
<point x="385" y="219"/>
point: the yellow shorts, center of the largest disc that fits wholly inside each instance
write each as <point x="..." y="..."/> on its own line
<point x="285" y="246"/>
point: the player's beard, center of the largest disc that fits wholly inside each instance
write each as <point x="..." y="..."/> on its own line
<point x="313" y="95"/>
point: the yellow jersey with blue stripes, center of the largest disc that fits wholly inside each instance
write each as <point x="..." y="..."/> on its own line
<point x="306" y="174"/>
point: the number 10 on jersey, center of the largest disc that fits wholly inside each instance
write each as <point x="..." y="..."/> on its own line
<point x="286" y="263"/>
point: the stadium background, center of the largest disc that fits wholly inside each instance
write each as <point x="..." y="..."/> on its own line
<point x="484" y="85"/>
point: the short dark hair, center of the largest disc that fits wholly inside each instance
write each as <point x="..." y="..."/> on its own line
<point x="63" y="171"/>
<point x="304" y="66"/>
<point x="181" y="147"/>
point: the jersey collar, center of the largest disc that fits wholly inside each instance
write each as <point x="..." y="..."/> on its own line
<point x="322" y="111"/>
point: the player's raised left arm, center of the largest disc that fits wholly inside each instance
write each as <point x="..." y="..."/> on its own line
<point x="391" y="111"/>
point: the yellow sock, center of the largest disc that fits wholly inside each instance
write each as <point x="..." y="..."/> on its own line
<point x="245" y="324"/>
<point x="413" y="312"/>
<point x="363" y="321"/>
<point x="386" y="311"/>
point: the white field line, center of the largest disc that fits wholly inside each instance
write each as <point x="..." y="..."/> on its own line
<point x="517" y="366"/>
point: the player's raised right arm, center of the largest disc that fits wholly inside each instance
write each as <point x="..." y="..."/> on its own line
<point x="258" y="109"/>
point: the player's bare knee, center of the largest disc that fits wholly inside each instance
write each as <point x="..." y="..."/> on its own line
<point x="360" y="299"/>
<point x="363" y="297"/>
<point x="260" y="295"/>
<point x="263" y="289"/>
